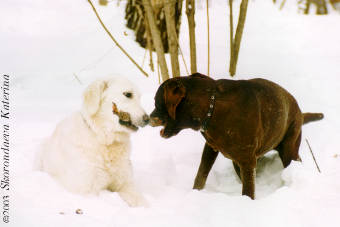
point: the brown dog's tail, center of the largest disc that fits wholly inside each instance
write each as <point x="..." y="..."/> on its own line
<point x="308" y="117"/>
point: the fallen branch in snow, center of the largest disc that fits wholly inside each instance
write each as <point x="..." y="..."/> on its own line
<point x="114" y="40"/>
<point x="317" y="166"/>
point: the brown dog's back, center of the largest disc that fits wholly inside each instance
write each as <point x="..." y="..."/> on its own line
<point x="257" y="113"/>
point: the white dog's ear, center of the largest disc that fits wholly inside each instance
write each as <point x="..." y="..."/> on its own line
<point x="92" y="96"/>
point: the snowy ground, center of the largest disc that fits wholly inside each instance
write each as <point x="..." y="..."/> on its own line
<point x="44" y="43"/>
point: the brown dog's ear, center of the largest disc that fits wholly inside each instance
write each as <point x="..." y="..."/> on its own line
<point x="174" y="92"/>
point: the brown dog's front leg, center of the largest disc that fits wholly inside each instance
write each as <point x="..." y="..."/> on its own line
<point x="208" y="158"/>
<point x="248" y="181"/>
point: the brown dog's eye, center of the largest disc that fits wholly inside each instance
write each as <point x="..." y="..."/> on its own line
<point x="128" y="94"/>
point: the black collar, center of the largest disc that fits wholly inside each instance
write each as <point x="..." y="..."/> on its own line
<point x="208" y="116"/>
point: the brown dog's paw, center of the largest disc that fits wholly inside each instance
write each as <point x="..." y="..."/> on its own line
<point x="198" y="187"/>
<point x="164" y="134"/>
<point x="199" y="184"/>
<point x="168" y="132"/>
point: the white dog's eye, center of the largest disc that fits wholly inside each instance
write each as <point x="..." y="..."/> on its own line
<point x="128" y="94"/>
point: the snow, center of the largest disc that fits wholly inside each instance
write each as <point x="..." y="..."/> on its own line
<point x="44" y="44"/>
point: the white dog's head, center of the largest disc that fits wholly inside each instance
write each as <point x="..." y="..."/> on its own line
<point x="102" y="95"/>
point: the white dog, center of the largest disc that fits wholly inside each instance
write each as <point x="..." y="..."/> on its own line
<point x="89" y="151"/>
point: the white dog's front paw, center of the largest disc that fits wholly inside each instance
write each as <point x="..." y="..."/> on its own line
<point x="137" y="201"/>
<point x="133" y="198"/>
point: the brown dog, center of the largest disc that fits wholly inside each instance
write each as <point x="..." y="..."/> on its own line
<point x="242" y="119"/>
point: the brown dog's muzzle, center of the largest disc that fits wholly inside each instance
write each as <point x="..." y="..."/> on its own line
<point x="155" y="121"/>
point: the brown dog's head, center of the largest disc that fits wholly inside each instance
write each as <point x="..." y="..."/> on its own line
<point x="181" y="103"/>
<point x="168" y="97"/>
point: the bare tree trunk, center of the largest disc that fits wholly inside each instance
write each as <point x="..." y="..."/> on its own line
<point x="307" y="7"/>
<point x="282" y="4"/>
<point x="169" y="9"/>
<point x="190" y="11"/>
<point x="321" y="7"/>
<point x="156" y="39"/>
<point x="238" y="36"/>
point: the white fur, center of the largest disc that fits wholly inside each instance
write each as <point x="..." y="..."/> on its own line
<point x="89" y="151"/>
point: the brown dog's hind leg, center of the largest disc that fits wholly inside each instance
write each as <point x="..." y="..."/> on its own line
<point x="237" y="169"/>
<point x="208" y="158"/>
<point x="289" y="147"/>
<point x="248" y="180"/>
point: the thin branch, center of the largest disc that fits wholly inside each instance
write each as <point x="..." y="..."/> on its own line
<point x="282" y="4"/>
<point x="151" y="61"/>
<point x="183" y="59"/>
<point x="96" y="62"/>
<point x="114" y="40"/>
<point x="144" y="57"/>
<point x="158" y="72"/>
<point x="231" y="25"/>
<point x="181" y="53"/>
<point x="77" y="78"/>
<point x="208" y="27"/>
<point x="317" y="166"/>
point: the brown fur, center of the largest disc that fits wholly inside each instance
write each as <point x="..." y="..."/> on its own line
<point x="250" y="118"/>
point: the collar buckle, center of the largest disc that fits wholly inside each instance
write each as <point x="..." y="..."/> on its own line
<point x="210" y="111"/>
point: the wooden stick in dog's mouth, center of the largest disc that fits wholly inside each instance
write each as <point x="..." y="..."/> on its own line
<point x="124" y="118"/>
